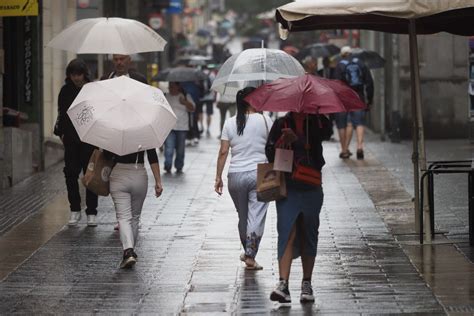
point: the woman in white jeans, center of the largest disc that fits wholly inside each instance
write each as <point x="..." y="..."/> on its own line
<point x="128" y="188"/>
<point x="245" y="135"/>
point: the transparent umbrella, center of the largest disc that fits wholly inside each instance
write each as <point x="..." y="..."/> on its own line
<point x="254" y="66"/>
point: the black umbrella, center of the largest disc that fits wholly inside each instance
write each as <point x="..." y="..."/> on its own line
<point x="193" y="60"/>
<point x="318" y="50"/>
<point x="180" y="74"/>
<point x="370" y="58"/>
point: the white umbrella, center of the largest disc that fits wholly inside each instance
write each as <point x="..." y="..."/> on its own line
<point x="108" y="36"/>
<point x="122" y="115"/>
<point x="254" y="66"/>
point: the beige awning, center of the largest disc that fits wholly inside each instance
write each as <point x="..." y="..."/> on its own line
<point x="383" y="15"/>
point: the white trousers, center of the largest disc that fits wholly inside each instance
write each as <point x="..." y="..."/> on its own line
<point x="128" y="188"/>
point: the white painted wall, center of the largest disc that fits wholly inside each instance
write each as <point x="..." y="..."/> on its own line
<point x="57" y="14"/>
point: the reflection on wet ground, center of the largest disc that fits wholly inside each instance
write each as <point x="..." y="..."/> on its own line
<point x="189" y="255"/>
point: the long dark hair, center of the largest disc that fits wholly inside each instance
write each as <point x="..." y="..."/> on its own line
<point x="242" y="107"/>
<point x="78" y="67"/>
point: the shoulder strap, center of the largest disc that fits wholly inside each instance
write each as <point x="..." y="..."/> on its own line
<point x="266" y="125"/>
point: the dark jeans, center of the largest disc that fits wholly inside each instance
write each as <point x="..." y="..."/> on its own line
<point x="76" y="158"/>
<point x="176" y="140"/>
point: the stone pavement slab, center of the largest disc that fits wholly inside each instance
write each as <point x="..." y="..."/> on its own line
<point x="189" y="258"/>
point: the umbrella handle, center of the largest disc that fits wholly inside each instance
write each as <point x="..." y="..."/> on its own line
<point x="136" y="160"/>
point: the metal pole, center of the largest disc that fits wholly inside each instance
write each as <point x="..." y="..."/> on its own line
<point x="419" y="156"/>
<point x="382" y="89"/>
<point x="471" y="207"/>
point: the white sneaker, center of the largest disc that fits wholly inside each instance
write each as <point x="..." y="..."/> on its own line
<point x="74" y="219"/>
<point x="91" y="222"/>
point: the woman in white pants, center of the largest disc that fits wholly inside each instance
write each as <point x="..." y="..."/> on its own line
<point x="128" y="188"/>
<point x="245" y="135"/>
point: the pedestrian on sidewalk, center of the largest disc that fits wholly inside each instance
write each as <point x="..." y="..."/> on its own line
<point x="76" y="152"/>
<point x="298" y="213"/>
<point x="128" y="188"/>
<point x="225" y="104"/>
<point x="245" y="135"/>
<point x="182" y="104"/>
<point x="123" y="67"/>
<point x="356" y="74"/>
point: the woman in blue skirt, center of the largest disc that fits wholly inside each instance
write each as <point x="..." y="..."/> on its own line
<point x="298" y="214"/>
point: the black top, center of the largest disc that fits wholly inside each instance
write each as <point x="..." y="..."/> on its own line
<point x="63" y="126"/>
<point x="132" y="158"/>
<point x="319" y="129"/>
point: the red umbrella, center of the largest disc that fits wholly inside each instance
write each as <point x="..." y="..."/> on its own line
<point x="305" y="94"/>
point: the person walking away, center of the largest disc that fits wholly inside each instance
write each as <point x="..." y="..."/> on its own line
<point x="182" y="104"/>
<point x="128" y="188"/>
<point x="76" y="153"/>
<point x="207" y="101"/>
<point x="298" y="213"/>
<point x="225" y="104"/>
<point x="245" y="135"/>
<point x="122" y="67"/>
<point x="195" y="90"/>
<point x="352" y="71"/>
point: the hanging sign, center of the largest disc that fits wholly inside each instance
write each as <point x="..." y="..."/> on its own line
<point x="18" y="7"/>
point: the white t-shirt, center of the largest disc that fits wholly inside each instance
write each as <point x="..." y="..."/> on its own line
<point x="182" y="122"/>
<point x="248" y="149"/>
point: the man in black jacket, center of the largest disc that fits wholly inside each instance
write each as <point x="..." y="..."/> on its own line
<point x="122" y="65"/>
<point x="76" y="153"/>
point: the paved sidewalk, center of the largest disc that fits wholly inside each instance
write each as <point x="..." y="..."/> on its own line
<point x="189" y="254"/>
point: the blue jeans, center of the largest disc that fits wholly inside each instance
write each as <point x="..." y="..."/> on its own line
<point x="176" y="140"/>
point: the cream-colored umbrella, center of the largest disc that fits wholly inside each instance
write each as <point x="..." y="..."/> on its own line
<point x="108" y="36"/>
<point x="121" y="115"/>
<point x="394" y="16"/>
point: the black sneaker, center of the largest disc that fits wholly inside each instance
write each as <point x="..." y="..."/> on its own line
<point x="168" y="170"/>
<point x="281" y="294"/>
<point x="360" y="154"/>
<point x="306" y="292"/>
<point x="129" y="259"/>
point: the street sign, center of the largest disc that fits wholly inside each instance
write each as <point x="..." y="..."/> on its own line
<point x="19" y="8"/>
<point x="155" y="21"/>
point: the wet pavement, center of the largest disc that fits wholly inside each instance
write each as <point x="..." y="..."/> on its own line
<point x="368" y="260"/>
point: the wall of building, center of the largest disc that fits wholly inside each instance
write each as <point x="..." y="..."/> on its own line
<point x="443" y="60"/>
<point x="444" y="85"/>
<point x="56" y="16"/>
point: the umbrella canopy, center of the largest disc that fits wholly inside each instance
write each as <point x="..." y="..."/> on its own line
<point x="122" y="115"/>
<point x="180" y="74"/>
<point x="190" y="50"/>
<point x="108" y="36"/>
<point x="432" y="16"/>
<point x="253" y="66"/>
<point x="305" y="94"/>
<point x="370" y="58"/>
<point x="318" y="50"/>
<point x="193" y="60"/>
